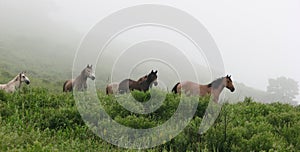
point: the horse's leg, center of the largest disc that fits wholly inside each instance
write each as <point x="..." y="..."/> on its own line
<point x="215" y="96"/>
<point x="129" y="89"/>
<point x="85" y="86"/>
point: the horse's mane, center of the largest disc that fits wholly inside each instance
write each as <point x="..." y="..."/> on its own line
<point x="16" y="78"/>
<point x="216" y="83"/>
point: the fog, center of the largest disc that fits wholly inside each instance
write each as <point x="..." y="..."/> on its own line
<point x="258" y="40"/>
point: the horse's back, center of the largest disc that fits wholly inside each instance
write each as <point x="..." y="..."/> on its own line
<point x="189" y="88"/>
<point x="124" y="85"/>
<point x="7" y="88"/>
<point x="2" y="87"/>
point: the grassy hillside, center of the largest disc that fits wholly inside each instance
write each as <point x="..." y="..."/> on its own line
<point x="36" y="119"/>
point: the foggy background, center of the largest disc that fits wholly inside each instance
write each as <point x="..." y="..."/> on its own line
<point x="258" y="40"/>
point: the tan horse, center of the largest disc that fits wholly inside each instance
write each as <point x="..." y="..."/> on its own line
<point x="214" y="88"/>
<point x="79" y="83"/>
<point x="114" y="87"/>
<point x="15" y="83"/>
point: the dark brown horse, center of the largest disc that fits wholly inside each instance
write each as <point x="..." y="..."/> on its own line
<point x="129" y="85"/>
<point x="144" y="78"/>
<point x="214" y="88"/>
<point x="114" y="86"/>
<point x="79" y="83"/>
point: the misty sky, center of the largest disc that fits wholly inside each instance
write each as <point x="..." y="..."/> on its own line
<point x="257" y="39"/>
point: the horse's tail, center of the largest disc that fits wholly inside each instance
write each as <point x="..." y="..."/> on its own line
<point x="175" y="88"/>
<point x="64" y="87"/>
<point x="107" y="89"/>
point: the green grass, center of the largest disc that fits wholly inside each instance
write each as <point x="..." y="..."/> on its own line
<point x="36" y="119"/>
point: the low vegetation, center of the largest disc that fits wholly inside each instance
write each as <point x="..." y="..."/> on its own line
<point x="36" y="119"/>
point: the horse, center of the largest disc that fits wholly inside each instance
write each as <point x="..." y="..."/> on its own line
<point x="15" y="83"/>
<point x="79" y="83"/>
<point x="144" y="78"/>
<point x="214" y="88"/>
<point x="130" y="85"/>
<point x="114" y="87"/>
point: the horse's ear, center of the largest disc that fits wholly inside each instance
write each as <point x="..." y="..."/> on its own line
<point x="91" y="66"/>
<point x="151" y="71"/>
<point x="155" y="72"/>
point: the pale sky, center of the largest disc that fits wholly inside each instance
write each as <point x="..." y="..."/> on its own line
<point x="257" y="39"/>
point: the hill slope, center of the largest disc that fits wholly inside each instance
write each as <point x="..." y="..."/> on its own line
<point x="39" y="120"/>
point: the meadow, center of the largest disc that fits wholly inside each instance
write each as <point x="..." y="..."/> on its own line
<point x="38" y="119"/>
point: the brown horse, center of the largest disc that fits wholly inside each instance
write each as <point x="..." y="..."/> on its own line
<point x="214" y="88"/>
<point x="114" y="87"/>
<point x="129" y="85"/>
<point x="79" y="83"/>
<point x="144" y="78"/>
<point x="15" y="83"/>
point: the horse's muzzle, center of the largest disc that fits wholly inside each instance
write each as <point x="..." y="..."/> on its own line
<point x="27" y="82"/>
<point x="92" y="77"/>
<point x="232" y="89"/>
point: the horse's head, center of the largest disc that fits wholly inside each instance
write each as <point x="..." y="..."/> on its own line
<point x="24" y="78"/>
<point x="88" y="72"/>
<point x="152" y="77"/>
<point x="228" y="83"/>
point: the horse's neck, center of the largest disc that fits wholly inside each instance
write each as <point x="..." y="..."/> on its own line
<point x="16" y="82"/>
<point x="216" y="91"/>
<point x="80" y="82"/>
<point x="81" y="78"/>
<point x="219" y="89"/>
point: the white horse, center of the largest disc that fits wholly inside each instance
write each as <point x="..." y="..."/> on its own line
<point x="15" y="83"/>
<point x="79" y="83"/>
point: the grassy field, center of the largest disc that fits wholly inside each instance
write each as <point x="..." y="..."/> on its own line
<point x="36" y="119"/>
